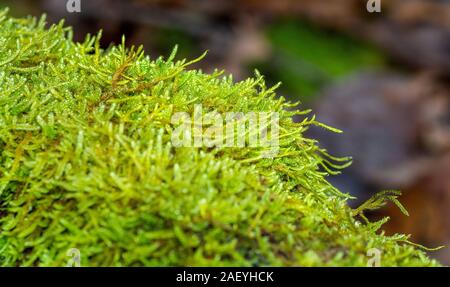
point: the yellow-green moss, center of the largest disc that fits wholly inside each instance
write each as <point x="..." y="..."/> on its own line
<point x="86" y="162"/>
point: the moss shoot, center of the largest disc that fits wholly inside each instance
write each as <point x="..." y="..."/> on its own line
<point x="86" y="162"/>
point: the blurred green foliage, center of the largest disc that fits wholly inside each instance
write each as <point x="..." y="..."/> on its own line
<point x="306" y="58"/>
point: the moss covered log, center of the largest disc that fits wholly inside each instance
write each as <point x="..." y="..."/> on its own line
<point x="87" y="162"/>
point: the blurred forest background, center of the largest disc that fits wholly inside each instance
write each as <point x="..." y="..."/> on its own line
<point x="383" y="78"/>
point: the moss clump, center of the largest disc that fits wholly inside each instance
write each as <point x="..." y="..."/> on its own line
<point x="86" y="162"/>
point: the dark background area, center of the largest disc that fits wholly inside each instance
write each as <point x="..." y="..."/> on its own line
<point x="383" y="78"/>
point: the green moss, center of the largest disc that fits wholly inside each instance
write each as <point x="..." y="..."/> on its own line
<point x="86" y="162"/>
